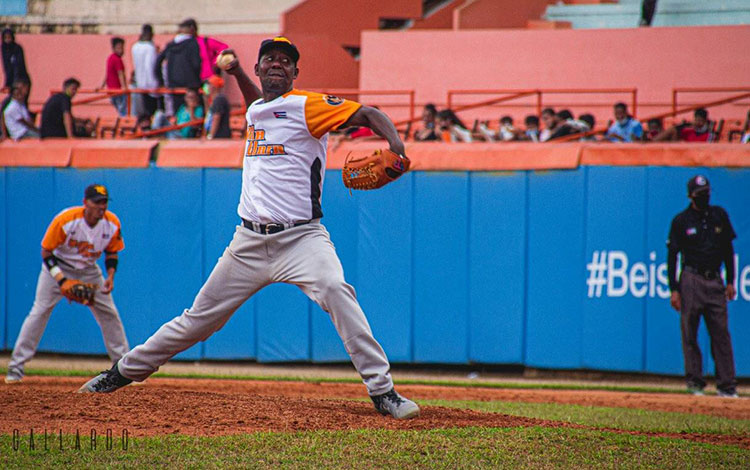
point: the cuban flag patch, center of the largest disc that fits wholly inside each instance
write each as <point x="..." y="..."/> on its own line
<point x="691" y="231"/>
<point x="279" y="114"/>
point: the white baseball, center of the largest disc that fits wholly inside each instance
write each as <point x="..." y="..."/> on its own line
<point x="223" y="60"/>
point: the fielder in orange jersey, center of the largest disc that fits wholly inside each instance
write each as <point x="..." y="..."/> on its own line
<point x="279" y="237"/>
<point x="73" y="242"/>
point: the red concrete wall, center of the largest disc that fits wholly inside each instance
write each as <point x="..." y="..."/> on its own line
<point x="652" y="59"/>
<point x="498" y="14"/>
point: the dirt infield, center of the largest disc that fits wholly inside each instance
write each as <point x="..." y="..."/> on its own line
<point x="220" y="407"/>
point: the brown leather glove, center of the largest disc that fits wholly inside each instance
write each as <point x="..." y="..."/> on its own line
<point x="375" y="170"/>
<point x="78" y="291"/>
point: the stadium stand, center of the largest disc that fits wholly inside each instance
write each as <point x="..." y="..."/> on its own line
<point x="627" y="13"/>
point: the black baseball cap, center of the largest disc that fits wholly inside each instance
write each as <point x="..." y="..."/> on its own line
<point x="698" y="183"/>
<point x="96" y="193"/>
<point x="282" y="43"/>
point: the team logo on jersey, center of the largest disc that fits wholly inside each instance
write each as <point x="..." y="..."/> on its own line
<point x="691" y="231"/>
<point x="279" y="114"/>
<point x="255" y="147"/>
<point x="333" y="100"/>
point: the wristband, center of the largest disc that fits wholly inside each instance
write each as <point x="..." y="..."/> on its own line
<point x="51" y="263"/>
<point x="110" y="263"/>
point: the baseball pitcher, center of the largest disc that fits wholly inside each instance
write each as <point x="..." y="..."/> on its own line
<point x="280" y="237"/>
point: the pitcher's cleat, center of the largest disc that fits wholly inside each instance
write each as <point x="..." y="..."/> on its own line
<point x="106" y="382"/>
<point x="391" y="403"/>
<point x="13" y="380"/>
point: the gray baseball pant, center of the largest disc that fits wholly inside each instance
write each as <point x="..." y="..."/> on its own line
<point x="303" y="256"/>
<point x="706" y="297"/>
<point x="47" y="296"/>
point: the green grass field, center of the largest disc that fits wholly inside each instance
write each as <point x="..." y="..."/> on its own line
<point x="516" y="448"/>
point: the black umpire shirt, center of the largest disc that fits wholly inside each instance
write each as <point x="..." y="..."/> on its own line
<point x="705" y="241"/>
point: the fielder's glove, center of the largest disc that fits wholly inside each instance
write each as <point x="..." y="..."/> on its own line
<point x="78" y="291"/>
<point x="375" y="170"/>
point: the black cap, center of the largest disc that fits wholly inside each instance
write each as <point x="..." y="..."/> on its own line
<point x="698" y="183"/>
<point x="282" y="43"/>
<point x="96" y="193"/>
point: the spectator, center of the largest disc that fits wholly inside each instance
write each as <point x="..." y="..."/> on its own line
<point x="532" y="128"/>
<point x="3" y="105"/>
<point x="625" y="128"/>
<point x="143" y="124"/>
<point x="648" y="8"/>
<point x="210" y="49"/>
<point x="451" y="128"/>
<point x="14" y="65"/>
<point x="114" y="78"/>
<point x="183" y="64"/>
<point x="190" y="110"/>
<point x="655" y="127"/>
<point x="587" y="124"/>
<point x="698" y="131"/>
<point x="84" y="128"/>
<point x="144" y="61"/>
<point x="506" y="132"/>
<point x="549" y="118"/>
<point x="427" y="132"/>
<point x="556" y="125"/>
<point x="57" y="118"/>
<point x="217" y="119"/>
<point x="18" y="122"/>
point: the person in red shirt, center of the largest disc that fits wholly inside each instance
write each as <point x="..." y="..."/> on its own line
<point x="115" y="76"/>
<point x="699" y="131"/>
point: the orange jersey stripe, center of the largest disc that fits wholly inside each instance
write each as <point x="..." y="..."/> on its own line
<point x="325" y="113"/>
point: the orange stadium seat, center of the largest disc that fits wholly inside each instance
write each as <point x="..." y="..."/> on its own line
<point x="106" y="126"/>
<point x="237" y="125"/>
<point x="126" y="125"/>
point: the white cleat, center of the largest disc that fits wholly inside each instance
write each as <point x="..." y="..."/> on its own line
<point x="391" y="403"/>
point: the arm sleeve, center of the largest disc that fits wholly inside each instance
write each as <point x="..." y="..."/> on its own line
<point x="115" y="244"/>
<point x="54" y="236"/>
<point x="673" y="249"/>
<point x="729" y="248"/>
<point x="325" y="113"/>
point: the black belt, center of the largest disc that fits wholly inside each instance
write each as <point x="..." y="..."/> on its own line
<point x="709" y="274"/>
<point x="268" y="229"/>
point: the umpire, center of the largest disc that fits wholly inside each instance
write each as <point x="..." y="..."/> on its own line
<point x="703" y="235"/>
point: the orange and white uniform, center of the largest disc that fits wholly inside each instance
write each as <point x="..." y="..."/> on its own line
<point x="282" y="182"/>
<point x="285" y="155"/>
<point x="77" y="247"/>
<point x="76" y="244"/>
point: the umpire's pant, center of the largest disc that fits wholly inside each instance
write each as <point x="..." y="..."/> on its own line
<point x="303" y="256"/>
<point x="707" y="297"/>
<point x="47" y="296"/>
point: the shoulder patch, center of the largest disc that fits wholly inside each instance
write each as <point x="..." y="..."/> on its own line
<point x="333" y="100"/>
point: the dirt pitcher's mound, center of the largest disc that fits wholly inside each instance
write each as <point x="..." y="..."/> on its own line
<point x="220" y="407"/>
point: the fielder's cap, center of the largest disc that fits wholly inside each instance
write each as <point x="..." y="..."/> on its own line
<point x="698" y="183"/>
<point x="96" y="193"/>
<point x="282" y="43"/>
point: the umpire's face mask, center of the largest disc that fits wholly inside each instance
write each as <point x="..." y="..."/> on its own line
<point x="701" y="200"/>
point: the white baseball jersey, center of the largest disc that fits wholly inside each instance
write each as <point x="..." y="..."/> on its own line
<point x="285" y="155"/>
<point x="76" y="244"/>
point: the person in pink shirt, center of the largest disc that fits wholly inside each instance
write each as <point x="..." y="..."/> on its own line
<point x="115" y="76"/>
<point x="210" y="49"/>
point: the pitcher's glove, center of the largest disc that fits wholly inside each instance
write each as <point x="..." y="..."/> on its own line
<point x="78" y="291"/>
<point x="375" y="170"/>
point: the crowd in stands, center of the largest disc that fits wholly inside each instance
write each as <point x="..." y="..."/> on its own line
<point x="196" y="106"/>
<point x="561" y="125"/>
<point x="185" y="66"/>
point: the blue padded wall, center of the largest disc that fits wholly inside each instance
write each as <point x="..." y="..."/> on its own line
<point x="449" y="267"/>
<point x="555" y="269"/>
<point x="496" y="265"/>
<point x="441" y="231"/>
